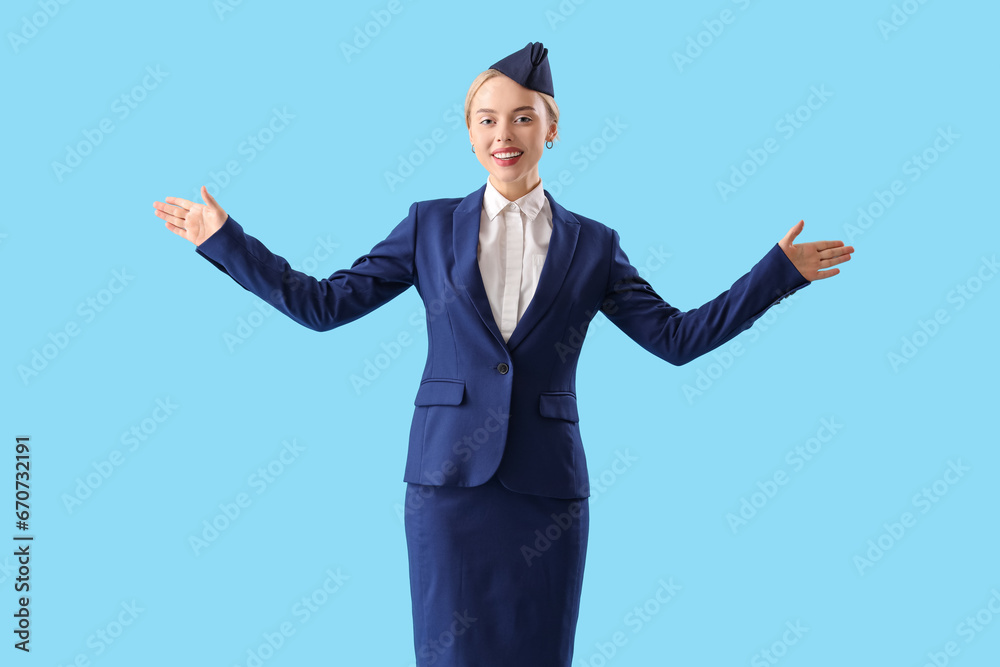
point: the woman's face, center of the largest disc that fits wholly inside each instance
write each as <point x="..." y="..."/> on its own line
<point x="508" y="118"/>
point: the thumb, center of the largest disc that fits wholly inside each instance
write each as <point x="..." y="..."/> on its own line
<point x="792" y="233"/>
<point x="208" y="198"/>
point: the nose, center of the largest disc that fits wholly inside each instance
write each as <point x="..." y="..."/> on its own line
<point x="504" y="132"/>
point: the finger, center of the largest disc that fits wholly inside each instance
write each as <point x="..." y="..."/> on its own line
<point x="793" y="232"/>
<point x="820" y="275"/>
<point x="834" y="252"/>
<point x="826" y="245"/>
<point x="180" y="231"/>
<point x="840" y="252"/>
<point x="207" y="196"/>
<point x="168" y="209"/>
<point x="167" y="215"/>
<point x="178" y="201"/>
<point x="836" y="260"/>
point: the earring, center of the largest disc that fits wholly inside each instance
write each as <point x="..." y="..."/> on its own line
<point x="473" y="149"/>
<point x="548" y="144"/>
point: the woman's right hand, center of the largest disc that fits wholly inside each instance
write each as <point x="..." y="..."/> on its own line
<point x="195" y="222"/>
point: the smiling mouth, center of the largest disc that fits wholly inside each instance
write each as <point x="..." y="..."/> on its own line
<point x="507" y="158"/>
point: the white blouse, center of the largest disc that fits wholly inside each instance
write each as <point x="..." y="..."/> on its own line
<point x="513" y="242"/>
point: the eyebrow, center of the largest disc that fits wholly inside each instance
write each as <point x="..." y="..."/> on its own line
<point x="515" y="110"/>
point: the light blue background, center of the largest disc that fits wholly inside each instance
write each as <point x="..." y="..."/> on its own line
<point x="824" y="356"/>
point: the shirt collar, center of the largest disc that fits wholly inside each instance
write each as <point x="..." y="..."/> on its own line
<point x="531" y="203"/>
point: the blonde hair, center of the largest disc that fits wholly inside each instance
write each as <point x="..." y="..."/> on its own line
<point x="551" y="108"/>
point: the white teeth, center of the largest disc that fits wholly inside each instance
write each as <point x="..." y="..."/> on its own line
<point x="506" y="156"/>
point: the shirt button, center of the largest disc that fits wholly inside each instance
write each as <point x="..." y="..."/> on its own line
<point x="503" y="368"/>
<point x="512" y="206"/>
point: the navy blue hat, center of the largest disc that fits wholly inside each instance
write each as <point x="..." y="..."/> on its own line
<point x="529" y="67"/>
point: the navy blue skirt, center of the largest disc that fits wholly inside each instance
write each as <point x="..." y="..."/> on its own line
<point x="495" y="576"/>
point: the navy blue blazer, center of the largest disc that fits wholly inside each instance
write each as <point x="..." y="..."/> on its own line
<point x="485" y="406"/>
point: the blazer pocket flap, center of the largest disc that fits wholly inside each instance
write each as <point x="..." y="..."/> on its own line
<point x="558" y="405"/>
<point x="440" y="392"/>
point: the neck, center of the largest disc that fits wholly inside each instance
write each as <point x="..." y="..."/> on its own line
<point x="517" y="189"/>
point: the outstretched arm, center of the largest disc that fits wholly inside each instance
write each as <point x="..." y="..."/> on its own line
<point x="680" y="337"/>
<point x="375" y="278"/>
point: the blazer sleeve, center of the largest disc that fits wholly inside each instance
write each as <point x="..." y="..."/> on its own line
<point x="320" y="304"/>
<point x="679" y="337"/>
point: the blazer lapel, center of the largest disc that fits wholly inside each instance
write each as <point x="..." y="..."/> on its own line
<point x="562" y="245"/>
<point x="465" y="236"/>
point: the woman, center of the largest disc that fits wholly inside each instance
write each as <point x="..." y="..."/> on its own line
<point x="496" y="502"/>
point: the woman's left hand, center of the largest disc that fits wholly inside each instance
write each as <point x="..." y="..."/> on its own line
<point x="809" y="258"/>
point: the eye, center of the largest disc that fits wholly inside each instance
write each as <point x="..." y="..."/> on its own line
<point x="526" y="119"/>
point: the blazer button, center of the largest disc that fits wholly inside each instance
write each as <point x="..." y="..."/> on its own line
<point x="503" y="368"/>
